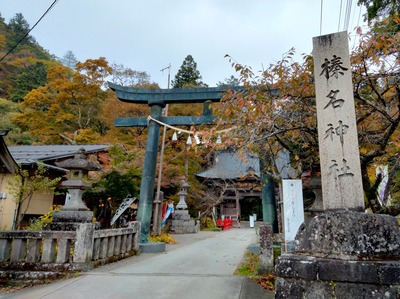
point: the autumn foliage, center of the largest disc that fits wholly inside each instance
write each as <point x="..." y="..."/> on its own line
<point x="66" y="109"/>
<point x="276" y="112"/>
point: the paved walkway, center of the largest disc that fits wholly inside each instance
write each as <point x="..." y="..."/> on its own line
<point x="199" y="266"/>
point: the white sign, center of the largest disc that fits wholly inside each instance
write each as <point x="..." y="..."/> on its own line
<point x="124" y="205"/>
<point x="293" y="211"/>
<point x="251" y="221"/>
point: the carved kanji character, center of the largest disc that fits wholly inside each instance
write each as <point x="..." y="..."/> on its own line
<point x="333" y="67"/>
<point x="336" y="103"/>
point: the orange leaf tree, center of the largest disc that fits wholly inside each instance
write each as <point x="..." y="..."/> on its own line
<point x="66" y="109"/>
<point x="276" y="111"/>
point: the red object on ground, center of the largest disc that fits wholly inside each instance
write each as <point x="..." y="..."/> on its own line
<point x="220" y="223"/>
<point x="164" y="209"/>
<point x="228" y="223"/>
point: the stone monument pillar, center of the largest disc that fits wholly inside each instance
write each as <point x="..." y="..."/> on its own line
<point x="341" y="252"/>
<point x="74" y="210"/>
<point x="266" y="257"/>
<point x="181" y="222"/>
<point x="337" y="127"/>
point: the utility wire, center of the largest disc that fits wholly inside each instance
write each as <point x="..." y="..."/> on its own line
<point x="347" y="15"/>
<point x="320" y="20"/>
<point x="340" y="14"/>
<point x="352" y="18"/>
<point x="358" y="24"/>
<point x="16" y="45"/>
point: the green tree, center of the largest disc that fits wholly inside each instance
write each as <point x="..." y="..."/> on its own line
<point x="25" y="184"/>
<point x="17" y="66"/>
<point x="380" y="8"/>
<point x="26" y="79"/>
<point x="118" y="178"/>
<point x="6" y="108"/>
<point x="15" y="136"/>
<point x="17" y="35"/>
<point x="19" y="27"/>
<point x="383" y="14"/>
<point x="188" y="75"/>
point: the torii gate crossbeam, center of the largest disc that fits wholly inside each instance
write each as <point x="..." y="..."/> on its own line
<point x="157" y="99"/>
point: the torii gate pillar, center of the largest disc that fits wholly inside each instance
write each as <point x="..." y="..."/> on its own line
<point x="157" y="99"/>
<point x="148" y="174"/>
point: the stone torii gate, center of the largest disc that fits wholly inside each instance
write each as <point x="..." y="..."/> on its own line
<point x="157" y="99"/>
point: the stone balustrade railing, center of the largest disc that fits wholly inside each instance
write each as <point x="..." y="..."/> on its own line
<point x="65" y="251"/>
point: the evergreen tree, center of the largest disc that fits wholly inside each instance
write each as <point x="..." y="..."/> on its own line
<point x="69" y="60"/>
<point x="17" y="36"/>
<point x="27" y="79"/>
<point x="380" y="8"/>
<point x="229" y="82"/>
<point x="188" y="75"/>
<point x="385" y="14"/>
<point x="19" y="27"/>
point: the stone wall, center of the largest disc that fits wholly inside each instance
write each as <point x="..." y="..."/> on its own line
<point x="182" y="224"/>
<point x="342" y="254"/>
<point x="33" y="256"/>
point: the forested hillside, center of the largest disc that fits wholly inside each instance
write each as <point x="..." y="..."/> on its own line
<point x="50" y="100"/>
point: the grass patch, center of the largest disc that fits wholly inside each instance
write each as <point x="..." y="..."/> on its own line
<point x="211" y="229"/>
<point x="249" y="268"/>
<point x="164" y="237"/>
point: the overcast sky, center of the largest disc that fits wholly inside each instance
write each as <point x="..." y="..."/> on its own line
<point x="149" y="35"/>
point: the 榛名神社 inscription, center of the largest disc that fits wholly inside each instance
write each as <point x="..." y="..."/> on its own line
<point x="337" y="130"/>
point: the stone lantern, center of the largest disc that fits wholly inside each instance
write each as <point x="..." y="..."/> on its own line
<point x="316" y="187"/>
<point x="182" y="195"/>
<point x="181" y="222"/>
<point x="74" y="210"/>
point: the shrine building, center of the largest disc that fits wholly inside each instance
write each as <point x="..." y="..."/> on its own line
<point x="238" y="177"/>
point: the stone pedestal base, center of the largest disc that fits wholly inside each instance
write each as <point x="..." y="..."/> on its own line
<point x="309" y="277"/>
<point x="73" y="216"/>
<point x="69" y="220"/>
<point x="182" y="224"/>
<point x="342" y="255"/>
<point x="152" y="247"/>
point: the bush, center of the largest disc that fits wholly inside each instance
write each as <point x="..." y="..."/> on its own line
<point x="207" y="222"/>
<point x="164" y="237"/>
<point x="37" y="223"/>
<point x="212" y="229"/>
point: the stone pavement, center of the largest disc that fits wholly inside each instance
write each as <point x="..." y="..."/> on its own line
<point x="199" y="266"/>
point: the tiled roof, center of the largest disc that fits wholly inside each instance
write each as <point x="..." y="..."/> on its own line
<point x="6" y="160"/>
<point x="28" y="154"/>
<point x="232" y="166"/>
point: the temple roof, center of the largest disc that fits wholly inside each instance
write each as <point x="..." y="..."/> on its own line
<point x="229" y="165"/>
<point x="6" y="160"/>
<point x="29" y="154"/>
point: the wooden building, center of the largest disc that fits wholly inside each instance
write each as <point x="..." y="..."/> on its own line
<point x="238" y="178"/>
<point x="28" y="157"/>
